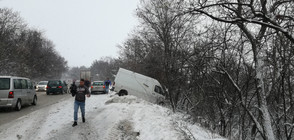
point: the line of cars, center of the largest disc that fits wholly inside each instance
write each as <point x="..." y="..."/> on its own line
<point x="52" y="86"/>
<point x="16" y="92"/>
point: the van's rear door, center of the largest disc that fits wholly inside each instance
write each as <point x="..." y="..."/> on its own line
<point x="5" y="85"/>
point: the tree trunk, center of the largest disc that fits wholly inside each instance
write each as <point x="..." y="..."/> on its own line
<point x="266" y="119"/>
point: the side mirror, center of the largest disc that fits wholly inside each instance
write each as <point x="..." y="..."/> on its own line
<point x="35" y="87"/>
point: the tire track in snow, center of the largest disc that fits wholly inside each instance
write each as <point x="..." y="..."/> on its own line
<point x="123" y="130"/>
<point x="83" y="131"/>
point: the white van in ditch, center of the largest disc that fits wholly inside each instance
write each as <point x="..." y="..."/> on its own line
<point x="16" y="92"/>
<point x="144" y="87"/>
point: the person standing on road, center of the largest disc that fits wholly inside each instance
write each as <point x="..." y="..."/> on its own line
<point x="107" y="83"/>
<point x="80" y="97"/>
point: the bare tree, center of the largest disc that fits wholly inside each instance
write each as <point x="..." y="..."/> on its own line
<point x="26" y="52"/>
<point x="254" y="18"/>
<point x="171" y="32"/>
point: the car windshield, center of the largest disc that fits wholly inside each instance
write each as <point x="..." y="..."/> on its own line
<point x="54" y="83"/>
<point x="4" y="83"/>
<point x="43" y="83"/>
<point x="98" y="84"/>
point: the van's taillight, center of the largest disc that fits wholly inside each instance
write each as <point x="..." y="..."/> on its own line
<point x="59" y="86"/>
<point x="47" y="87"/>
<point x="103" y="86"/>
<point x="11" y="95"/>
<point x="91" y="86"/>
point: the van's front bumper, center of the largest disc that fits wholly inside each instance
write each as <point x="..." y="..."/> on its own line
<point x="7" y="102"/>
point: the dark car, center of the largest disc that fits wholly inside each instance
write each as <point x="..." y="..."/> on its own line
<point x="56" y="86"/>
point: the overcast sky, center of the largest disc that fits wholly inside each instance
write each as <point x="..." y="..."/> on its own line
<point x="82" y="30"/>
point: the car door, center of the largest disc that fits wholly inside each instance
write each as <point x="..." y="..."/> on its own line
<point x="24" y="91"/>
<point x="153" y="94"/>
<point x="17" y="88"/>
<point x="31" y="91"/>
<point x="159" y="93"/>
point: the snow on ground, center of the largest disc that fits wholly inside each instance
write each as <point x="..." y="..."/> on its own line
<point x="107" y="118"/>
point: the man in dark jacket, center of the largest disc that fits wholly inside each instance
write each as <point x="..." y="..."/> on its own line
<point x="80" y="97"/>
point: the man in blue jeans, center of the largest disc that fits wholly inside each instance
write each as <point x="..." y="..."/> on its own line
<point x="80" y="92"/>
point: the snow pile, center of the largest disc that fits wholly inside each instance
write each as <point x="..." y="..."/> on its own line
<point x="123" y="99"/>
<point x="154" y="122"/>
<point x="107" y="118"/>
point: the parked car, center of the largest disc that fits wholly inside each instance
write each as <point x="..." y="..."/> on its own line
<point x="56" y="86"/>
<point x="131" y="83"/>
<point x="98" y="86"/>
<point x="16" y="92"/>
<point x="42" y="86"/>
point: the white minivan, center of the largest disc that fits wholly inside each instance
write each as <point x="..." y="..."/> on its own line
<point x="16" y="92"/>
<point x="131" y="83"/>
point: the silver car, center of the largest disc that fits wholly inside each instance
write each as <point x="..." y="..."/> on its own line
<point x="98" y="86"/>
<point x="16" y="92"/>
<point x="42" y="86"/>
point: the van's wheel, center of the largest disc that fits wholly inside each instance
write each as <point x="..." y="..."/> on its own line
<point x="161" y="103"/>
<point x="122" y="93"/>
<point x="18" y="105"/>
<point x="35" y="100"/>
<point x="62" y="92"/>
<point x="47" y="93"/>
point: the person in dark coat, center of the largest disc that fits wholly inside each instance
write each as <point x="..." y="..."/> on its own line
<point x="80" y="93"/>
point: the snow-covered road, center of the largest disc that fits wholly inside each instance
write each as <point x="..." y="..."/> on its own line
<point x="107" y="118"/>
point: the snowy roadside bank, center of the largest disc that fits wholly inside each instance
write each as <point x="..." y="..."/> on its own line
<point x="107" y="118"/>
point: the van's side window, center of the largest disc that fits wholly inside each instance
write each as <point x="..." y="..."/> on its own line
<point x="30" y="85"/>
<point x="158" y="89"/>
<point x="17" y="83"/>
<point x="24" y="84"/>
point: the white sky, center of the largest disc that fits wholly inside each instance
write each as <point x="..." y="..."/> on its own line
<point x="82" y="30"/>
